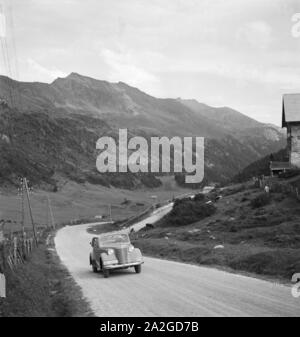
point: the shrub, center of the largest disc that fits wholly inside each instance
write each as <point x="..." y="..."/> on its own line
<point x="186" y="212"/>
<point x="97" y="179"/>
<point x="199" y="197"/>
<point x="261" y="200"/>
<point x="233" y="229"/>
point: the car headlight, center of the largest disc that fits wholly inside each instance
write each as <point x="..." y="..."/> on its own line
<point x="110" y="251"/>
<point x="131" y="248"/>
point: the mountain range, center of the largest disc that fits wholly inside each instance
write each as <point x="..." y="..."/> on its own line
<point x="48" y="131"/>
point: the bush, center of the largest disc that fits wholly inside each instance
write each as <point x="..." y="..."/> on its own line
<point x="97" y="179"/>
<point x="149" y="180"/>
<point x="186" y="212"/>
<point x="233" y="229"/>
<point x="199" y="197"/>
<point x="261" y="200"/>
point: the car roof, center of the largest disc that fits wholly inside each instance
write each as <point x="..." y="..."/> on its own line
<point x="110" y="234"/>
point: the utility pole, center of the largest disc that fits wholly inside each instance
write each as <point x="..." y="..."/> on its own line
<point x="30" y="211"/>
<point x="2" y="247"/>
<point x="2" y="261"/>
<point x="154" y="198"/>
<point x="22" y="217"/>
<point x="22" y="208"/>
<point x="110" y="216"/>
<point x="49" y="212"/>
<point x="47" y="218"/>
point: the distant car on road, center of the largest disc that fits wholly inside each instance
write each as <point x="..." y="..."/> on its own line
<point x="114" y="251"/>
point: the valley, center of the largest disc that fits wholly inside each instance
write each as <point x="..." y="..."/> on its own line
<point x="83" y="202"/>
<point x="48" y="132"/>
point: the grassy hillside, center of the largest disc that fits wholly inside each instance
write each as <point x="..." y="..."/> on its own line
<point x="248" y="232"/>
<point x="47" y="150"/>
<point x="260" y="167"/>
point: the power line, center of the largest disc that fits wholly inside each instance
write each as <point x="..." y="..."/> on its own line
<point x="11" y="30"/>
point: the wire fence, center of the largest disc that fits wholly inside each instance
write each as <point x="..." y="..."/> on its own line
<point x="276" y="186"/>
<point x="16" y="249"/>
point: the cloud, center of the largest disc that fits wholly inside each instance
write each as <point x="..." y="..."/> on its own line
<point x="205" y="49"/>
<point x="266" y="68"/>
<point x="123" y="68"/>
<point x="257" y="34"/>
<point x="284" y="77"/>
<point x="43" y="74"/>
<point x="2" y="25"/>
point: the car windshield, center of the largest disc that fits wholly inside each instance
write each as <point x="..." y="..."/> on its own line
<point x="114" y="238"/>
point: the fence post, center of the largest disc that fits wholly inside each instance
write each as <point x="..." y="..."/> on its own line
<point x="2" y="247"/>
<point x="24" y="252"/>
<point x="2" y="257"/>
<point x="15" y="243"/>
<point x="2" y="267"/>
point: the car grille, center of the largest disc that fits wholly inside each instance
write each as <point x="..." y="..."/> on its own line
<point x="122" y="255"/>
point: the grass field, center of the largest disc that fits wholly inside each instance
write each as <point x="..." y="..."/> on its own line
<point x="85" y="201"/>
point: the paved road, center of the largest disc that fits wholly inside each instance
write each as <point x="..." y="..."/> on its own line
<point x="166" y="288"/>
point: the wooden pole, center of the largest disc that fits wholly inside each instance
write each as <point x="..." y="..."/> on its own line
<point x="110" y="216"/>
<point x="51" y="212"/>
<point x="23" y="220"/>
<point x="15" y="242"/>
<point x="2" y="248"/>
<point x="47" y="220"/>
<point x="22" y="208"/>
<point x="30" y="211"/>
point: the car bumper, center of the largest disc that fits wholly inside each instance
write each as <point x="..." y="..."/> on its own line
<point x="124" y="265"/>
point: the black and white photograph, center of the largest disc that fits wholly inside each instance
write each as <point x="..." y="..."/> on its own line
<point x="149" y="162"/>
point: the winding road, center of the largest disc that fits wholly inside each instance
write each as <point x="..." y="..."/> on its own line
<point x="166" y="288"/>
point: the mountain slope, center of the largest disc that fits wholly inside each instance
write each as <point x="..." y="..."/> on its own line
<point x="224" y="117"/>
<point x="50" y="151"/>
<point x="70" y="114"/>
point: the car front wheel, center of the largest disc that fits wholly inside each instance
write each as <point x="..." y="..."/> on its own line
<point x="105" y="273"/>
<point x="94" y="267"/>
<point x="138" y="269"/>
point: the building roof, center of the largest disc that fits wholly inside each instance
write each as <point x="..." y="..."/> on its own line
<point x="279" y="165"/>
<point x="290" y="109"/>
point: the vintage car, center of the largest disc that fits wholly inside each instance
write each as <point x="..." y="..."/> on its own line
<point x="114" y="251"/>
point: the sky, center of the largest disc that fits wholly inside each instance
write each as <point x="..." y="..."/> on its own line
<point x="244" y="54"/>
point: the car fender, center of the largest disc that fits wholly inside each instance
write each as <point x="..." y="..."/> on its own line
<point x="105" y="257"/>
<point x="137" y="253"/>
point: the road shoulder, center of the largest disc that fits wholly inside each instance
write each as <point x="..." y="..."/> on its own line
<point x="43" y="287"/>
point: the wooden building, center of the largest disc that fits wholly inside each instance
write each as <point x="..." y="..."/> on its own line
<point x="291" y="120"/>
